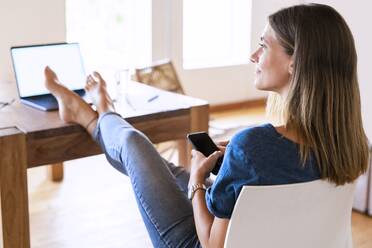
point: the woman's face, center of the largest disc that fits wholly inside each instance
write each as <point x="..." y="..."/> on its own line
<point x="273" y="65"/>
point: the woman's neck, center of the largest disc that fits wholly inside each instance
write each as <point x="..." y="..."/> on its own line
<point x="288" y="133"/>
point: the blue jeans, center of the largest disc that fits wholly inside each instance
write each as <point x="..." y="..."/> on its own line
<point x="160" y="187"/>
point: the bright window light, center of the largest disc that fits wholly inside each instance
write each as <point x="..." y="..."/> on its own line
<point x="216" y="33"/>
<point x="111" y="33"/>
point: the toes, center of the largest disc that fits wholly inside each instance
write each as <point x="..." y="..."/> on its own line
<point x="49" y="73"/>
<point x="99" y="77"/>
<point x="91" y="82"/>
<point x="88" y="84"/>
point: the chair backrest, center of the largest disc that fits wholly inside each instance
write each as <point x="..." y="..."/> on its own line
<point x="161" y="75"/>
<point x="307" y="215"/>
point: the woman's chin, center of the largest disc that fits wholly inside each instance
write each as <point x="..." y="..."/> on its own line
<point x="259" y="85"/>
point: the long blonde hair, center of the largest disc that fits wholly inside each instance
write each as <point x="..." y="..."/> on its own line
<point x="323" y="105"/>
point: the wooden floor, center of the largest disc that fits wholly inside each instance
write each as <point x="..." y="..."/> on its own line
<point x="94" y="206"/>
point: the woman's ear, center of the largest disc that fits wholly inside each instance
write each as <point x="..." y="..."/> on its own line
<point x="290" y="67"/>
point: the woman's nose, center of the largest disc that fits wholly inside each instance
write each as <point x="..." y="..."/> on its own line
<point x="254" y="57"/>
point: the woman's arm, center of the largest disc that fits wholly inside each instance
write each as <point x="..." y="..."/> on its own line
<point x="211" y="230"/>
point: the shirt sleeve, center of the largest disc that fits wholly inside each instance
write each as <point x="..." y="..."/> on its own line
<point x="236" y="171"/>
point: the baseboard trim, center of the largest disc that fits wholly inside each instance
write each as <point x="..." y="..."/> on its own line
<point x="238" y="105"/>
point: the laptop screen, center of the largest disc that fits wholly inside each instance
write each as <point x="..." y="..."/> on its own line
<point x="29" y="63"/>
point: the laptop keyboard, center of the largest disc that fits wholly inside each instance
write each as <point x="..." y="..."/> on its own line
<point x="47" y="101"/>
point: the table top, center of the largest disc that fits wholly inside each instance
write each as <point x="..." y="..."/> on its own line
<point x="134" y="107"/>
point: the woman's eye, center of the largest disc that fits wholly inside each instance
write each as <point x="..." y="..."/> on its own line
<point x="262" y="45"/>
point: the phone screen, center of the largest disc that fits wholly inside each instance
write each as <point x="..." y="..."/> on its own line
<point x="204" y="144"/>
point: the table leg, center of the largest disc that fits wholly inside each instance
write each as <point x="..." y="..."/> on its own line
<point x="183" y="153"/>
<point x="56" y="172"/>
<point x="199" y="118"/>
<point x="199" y="121"/>
<point x="13" y="187"/>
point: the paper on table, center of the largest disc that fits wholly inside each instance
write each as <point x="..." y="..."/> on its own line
<point x="137" y="102"/>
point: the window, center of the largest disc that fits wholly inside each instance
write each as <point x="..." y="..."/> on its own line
<point x="216" y="33"/>
<point x="113" y="34"/>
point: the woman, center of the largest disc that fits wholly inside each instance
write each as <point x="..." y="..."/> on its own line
<point x="307" y="59"/>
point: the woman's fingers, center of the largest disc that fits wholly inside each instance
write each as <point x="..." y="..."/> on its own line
<point x="212" y="159"/>
<point x="202" y="165"/>
<point x="222" y="149"/>
<point x="223" y="143"/>
<point x="214" y="156"/>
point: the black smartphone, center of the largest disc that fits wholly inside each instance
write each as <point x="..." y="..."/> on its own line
<point x="204" y="144"/>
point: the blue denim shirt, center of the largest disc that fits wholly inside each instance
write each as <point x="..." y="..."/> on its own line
<point x="257" y="156"/>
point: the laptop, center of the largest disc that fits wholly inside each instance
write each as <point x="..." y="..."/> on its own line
<point x="29" y="63"/>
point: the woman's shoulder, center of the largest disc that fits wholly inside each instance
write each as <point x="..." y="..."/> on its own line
<point x="255" y="135"/>
<point x="263" y="142"/>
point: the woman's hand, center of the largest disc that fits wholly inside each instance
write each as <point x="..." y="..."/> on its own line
<point x="222" y="145"/>
<point x="201" y="166"/>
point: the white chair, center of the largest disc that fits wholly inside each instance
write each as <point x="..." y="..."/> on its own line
<point x="315" y="214"/>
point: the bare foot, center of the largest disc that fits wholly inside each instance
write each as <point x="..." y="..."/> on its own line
<point x="96" y="88"/>
<point x="71" y="107"/>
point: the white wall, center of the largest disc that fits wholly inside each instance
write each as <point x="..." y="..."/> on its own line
<point x="28" y="22"/>
<point x="161" y="23"/>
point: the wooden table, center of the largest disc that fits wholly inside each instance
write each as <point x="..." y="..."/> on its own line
<point x="30" y="138"/>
